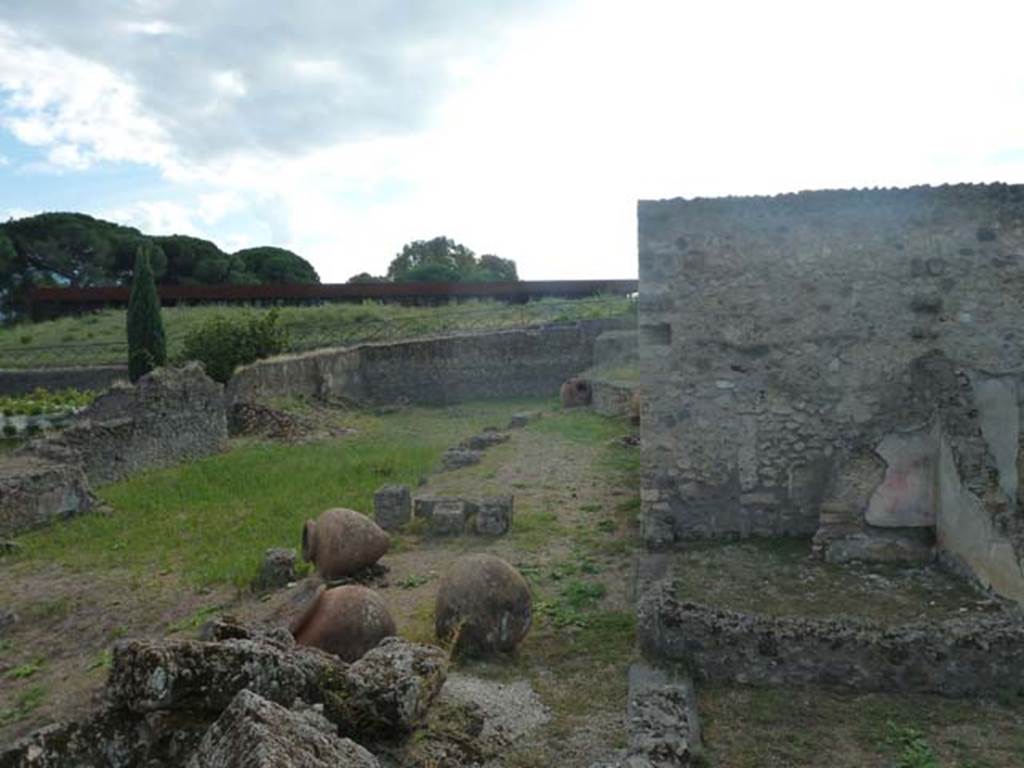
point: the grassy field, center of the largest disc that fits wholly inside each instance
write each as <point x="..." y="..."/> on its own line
<point x="210" y="520"/>
<point x="99" y="337"/>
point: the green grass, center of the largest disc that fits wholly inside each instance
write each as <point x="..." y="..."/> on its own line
<point x="212" y="519"/>
<point x="796" y="726"/>
<point x="24" y="704"/>
<point x="581" y="425"/>
<point x="99" y="337"/>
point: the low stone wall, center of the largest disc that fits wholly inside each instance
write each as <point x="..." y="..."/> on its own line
<point x="168" y="416"/>
<point x="959" y="657"/>
<point x="94" y="377"/>
<point x="513" y="363"/>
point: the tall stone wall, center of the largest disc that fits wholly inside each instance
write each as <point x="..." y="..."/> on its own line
<point x="451" y="369"/>
<point x="843" y="358"/>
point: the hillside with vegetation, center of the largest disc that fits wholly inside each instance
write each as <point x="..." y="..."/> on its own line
<point x="99" y="337"/>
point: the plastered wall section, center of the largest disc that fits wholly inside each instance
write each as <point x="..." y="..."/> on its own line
<point x="777" y="336"/>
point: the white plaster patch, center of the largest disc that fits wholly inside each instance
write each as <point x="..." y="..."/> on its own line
<point x="906" y="498"/>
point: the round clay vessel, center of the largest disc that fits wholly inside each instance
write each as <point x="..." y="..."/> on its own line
<point x="575" y="392"/>
<point x="346" y="621"/>
<point x="342" y="542"/>
<point x="484" y="604"/>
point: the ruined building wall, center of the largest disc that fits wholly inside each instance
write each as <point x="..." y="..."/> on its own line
<point x="526" y="362"/>
<point x="840" y="362"/>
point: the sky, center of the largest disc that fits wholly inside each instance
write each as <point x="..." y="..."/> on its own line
<point x="527" y="129"/>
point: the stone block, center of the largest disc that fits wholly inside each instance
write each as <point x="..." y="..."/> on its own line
<point x="494" y="515"/>
<point x="456" y="458"/>
<point x="35" y="492"/>
<point x="277" y="569"/>
<point x="522" y="418"/>
<point x="448" y="517"/>
<point x="483" y="441"/>
<point x="392" y="506"/>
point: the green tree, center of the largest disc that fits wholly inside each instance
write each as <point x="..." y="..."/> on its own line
<point x="494" y="269"/>
<point x="147" y="346"/>
<point x="74" y="249"/>
<point x="443" y="260"/>
<point x="277" y="265"/>
<point x="366" y="277"/>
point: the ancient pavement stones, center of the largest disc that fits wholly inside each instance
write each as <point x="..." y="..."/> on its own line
<point x="342" y="542"/>
<point x="483" y="604"/>
<point x="392" y="506"/>
<point x="277" y="569"/>
<point x="256" y="733"/>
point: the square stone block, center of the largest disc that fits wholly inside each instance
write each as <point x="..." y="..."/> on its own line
<point x="392" y="506"/>
<point x="494" y="516"/>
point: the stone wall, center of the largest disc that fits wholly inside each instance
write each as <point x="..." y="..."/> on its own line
<point x="514" y="363"/>
<point x="960" y="657"/>
<point x="170" y="415"/>
<point x="836" y="352"/>
<point x="94" y="377"/>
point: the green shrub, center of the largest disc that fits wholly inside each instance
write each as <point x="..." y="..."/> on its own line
<point x="223" y="343"/>
<point x="10" y="430"/>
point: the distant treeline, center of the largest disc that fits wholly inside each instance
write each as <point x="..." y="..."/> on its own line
<point x="76" y="250"/>
<point x="442" y="260"/>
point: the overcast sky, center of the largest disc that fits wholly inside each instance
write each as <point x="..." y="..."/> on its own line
<point x="343" y="129"/>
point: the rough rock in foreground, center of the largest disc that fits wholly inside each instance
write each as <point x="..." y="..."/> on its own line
<point x="256" y="733"/>
<point x="163" y="699"/>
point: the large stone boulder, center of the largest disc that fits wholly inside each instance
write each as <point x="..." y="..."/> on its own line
<point x="256" y="733"/>
<point x="483" y="605"/>
<point x="385" y="692"/>
<point x="342" y="542"/>
<point x="147" y="676"/>
<point x="346" y="621"/>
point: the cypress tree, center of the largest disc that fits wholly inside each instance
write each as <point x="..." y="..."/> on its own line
<point x="147" y="347"/>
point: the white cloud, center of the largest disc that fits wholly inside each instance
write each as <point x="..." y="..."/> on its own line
<point x="345" y="136"/>
<point x="68" y="156"/>
<point x="156" y="217"/>
<point x="153" y="28"/>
